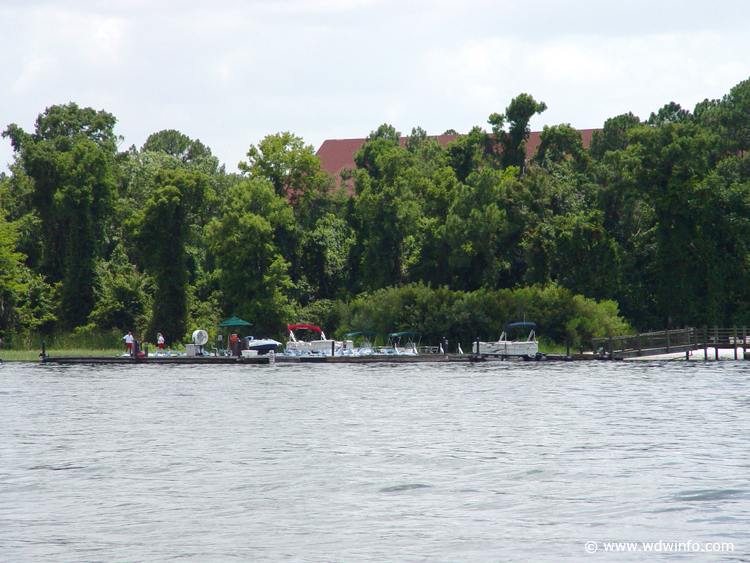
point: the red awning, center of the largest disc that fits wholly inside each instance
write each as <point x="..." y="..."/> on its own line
<point x="304" y="327"/>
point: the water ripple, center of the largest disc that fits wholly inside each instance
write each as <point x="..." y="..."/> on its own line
<point x="316" y="463"/>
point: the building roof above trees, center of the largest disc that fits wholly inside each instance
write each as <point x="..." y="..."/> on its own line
<point x="337" y="154"/>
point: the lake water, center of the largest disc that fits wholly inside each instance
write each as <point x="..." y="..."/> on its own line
<point x="377" y="463"/>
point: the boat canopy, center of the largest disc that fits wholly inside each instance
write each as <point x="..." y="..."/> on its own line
<point x="364" y="334"/>
<point x="514" y="325"/>
<point x="408" y="335"/>
<point x="305" y="327"/>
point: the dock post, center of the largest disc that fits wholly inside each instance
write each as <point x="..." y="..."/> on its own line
<point x="734" y="340"/>
<point x="638" y="339"/>
<point x="744" y="341"/>
<point x="716" y="341"/>
<point x="667" y="341"/>
<point x="611" y="349"/>
<point x="705" y="342"/>
<point x="44" y="350"/>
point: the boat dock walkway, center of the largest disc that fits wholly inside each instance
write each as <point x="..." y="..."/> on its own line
<point x="684" y="340"/>
<point x="289" y="359"/>
<point x="156" y="360"/>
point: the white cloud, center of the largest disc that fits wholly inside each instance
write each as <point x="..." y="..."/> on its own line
<point x="230" y="72"/>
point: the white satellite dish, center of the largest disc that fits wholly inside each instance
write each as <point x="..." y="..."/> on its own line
<point x="200" y="337"/>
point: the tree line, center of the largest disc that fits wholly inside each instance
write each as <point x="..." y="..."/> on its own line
<point x="646" y="228"/>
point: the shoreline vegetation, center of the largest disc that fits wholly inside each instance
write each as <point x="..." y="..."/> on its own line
<point x="644" y="228"/>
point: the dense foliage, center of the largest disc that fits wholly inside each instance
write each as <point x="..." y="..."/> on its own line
<point x="646" y="228"/>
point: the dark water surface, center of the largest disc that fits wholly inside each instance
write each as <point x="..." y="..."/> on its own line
<point x="438" y="463"/>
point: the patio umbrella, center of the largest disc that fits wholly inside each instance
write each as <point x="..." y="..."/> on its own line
<point x="233" y="322"/>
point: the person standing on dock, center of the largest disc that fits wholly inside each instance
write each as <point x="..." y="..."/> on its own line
<point x="128" y="338"/>
<point x="160" y="341"/>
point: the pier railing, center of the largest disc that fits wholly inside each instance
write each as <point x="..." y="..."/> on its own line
<point x="672" y="341"/>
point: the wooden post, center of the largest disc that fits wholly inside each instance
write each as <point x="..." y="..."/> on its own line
<point x="734" y="340"/>
<point x="667" y="341"/>
<point x="705" y="342"/>
<point x="716" y="341"/>
<point x="639" y="343"/>
<point x="44" y="350"/>
<point x="611" y="349"/>
<point x="333" y="347"/>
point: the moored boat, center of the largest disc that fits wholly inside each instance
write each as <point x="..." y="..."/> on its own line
<point x="404" y="343"/>
<point x="260" y="345"/>
<point x="321" y="345"/>
<point x="507" y="349"/>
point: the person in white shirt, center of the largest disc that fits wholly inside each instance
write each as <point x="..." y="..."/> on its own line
<point x="128" y="338"/>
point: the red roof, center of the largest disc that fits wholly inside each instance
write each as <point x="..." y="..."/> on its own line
<point x="336" y="154"/>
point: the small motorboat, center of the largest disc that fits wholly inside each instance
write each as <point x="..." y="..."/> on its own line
<point x="260" y="345"/>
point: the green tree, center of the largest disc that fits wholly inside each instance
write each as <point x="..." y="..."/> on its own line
<point x="292" y="168"/>
<point x="162" y="233"/>
<point x="123" y="296"/>
<point x="467" y="153"/>
<point x="576" y="252"/>
<point x="558" y="143"/>
<point x="183" y="148"/>
<point x="12" y="274"/>
<point x="252" y="274"/>
<point x="513" y="142"/>
<point x="613" y="135"/>
<point x="482" y="229"/>
<point x="664" y="164"/>
<point x="670" y="113"/>
<point x="387" y="212"/>
<point x="70" y="159"/>
<point x="730" y="118"/>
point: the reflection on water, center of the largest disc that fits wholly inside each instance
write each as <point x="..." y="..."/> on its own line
<point x="514" y="462"/>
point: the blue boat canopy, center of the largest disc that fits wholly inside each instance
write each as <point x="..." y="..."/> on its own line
<point x="514" y="325"/>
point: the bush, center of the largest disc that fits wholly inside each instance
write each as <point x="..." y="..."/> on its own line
<point x="464" y="317"/>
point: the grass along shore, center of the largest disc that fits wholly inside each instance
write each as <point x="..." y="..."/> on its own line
<point x="34" y="355"/>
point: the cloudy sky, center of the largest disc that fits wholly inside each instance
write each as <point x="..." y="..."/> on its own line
<point x="229" y="72"/>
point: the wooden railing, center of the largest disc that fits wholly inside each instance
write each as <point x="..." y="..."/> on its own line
<point x="672" y="341"/>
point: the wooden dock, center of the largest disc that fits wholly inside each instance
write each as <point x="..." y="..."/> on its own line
<point x="684" y="340"/>
<point x="157" y="360"/>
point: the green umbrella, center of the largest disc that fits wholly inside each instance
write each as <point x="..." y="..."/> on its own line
<point x="234" y="321"/>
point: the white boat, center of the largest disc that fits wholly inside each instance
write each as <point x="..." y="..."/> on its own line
<point x="505" y="349"/>
<point x="321" y="345"/>
<point x="358" y="344"/>
<point x="409" y="346"/>
<point x="260" y="345"/>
